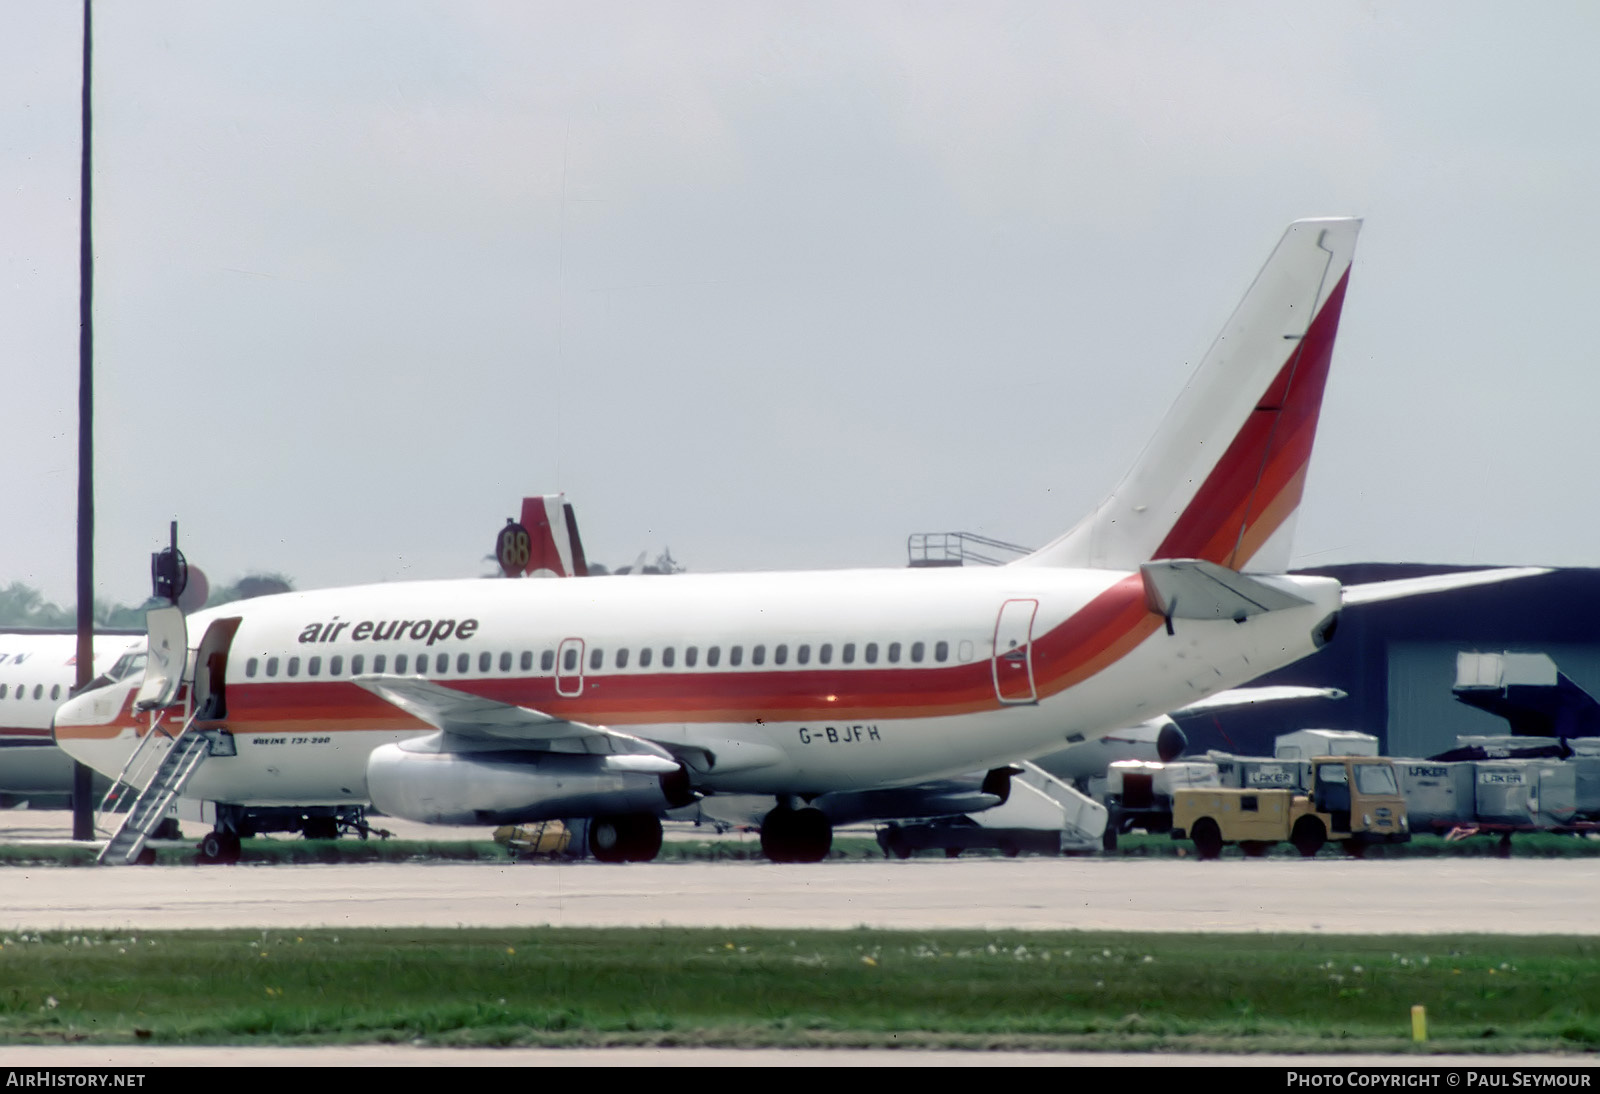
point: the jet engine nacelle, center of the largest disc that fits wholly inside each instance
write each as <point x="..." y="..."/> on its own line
<point x="509" y="787"/>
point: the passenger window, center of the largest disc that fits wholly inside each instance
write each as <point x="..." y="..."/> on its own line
<point x="38" y="691"/>
<point x="713" y="655"/>
<point x="249" y="670"/>
<point x="803" y="655"/>
<point x="871" y="653"/>
<point x="597" y="657"/>
<point x="622" y="658"/>
<point x="736" y="656"/>
<point x="357" y="663"/>
<point x="690" y="656"/>
<point x="399" y="664"/>
<point x="314" y="667"/>
<point x="485" y="661"/>
<point x="379" y="660"/>
<point x="547" y="661"/>
<point x="3" y="688"/>
<point x="55" y="691"/>
<point x="825" y="653"/>
<point x="917" y="649"/>
<point x="667" y="656"/>
<point x="505" y="661"/>
<point x="894" y="653"/>
<point x="441" y="663"/>
<point x="941" y="651"/>
<point x="272" y="666"/>
<point x="644" y="658"/>
<point x="848" y="654"/>
<point x="335" y="666"/>
<point x="758" y="656"/>
<point x="569" y="660"/>
<point x="526" y="661"/>
<point x="294" y="666"/>
<point x="463" y="661"/>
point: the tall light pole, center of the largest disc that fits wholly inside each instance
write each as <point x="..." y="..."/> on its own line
<point x="82" y="788"/>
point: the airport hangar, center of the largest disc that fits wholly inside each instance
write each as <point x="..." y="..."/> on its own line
<point x="1397" y="660"/>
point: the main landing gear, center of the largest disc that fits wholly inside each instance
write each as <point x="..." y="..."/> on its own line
<point x="796" y="835"/>
<point x="629" y="837"/>
<point x="219" y="847"/>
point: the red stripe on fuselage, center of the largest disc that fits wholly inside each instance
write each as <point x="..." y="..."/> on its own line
<point x="1088" y="641"/>
<point x="1242" y="500"/>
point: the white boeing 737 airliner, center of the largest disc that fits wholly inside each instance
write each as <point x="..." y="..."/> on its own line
<point x="616" y="698"/>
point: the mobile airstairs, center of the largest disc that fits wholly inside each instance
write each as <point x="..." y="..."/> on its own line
<point x="164" y="764"/>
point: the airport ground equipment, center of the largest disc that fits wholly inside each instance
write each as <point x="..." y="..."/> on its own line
<point x="1138" y="794"/>
<point x="542" y="839"/>
<point x="1303" y="744"/>
<point x="1499" y="786"/>
<point x="1041" y="815"/>
<point x="174" y="761"/>
<point x="1529" y="692"/>
<point x="1351" y="800"/>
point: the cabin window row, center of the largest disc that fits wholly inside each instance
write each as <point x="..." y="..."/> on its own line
<point x="848" y="653"/>
<point x="38" y="691"/>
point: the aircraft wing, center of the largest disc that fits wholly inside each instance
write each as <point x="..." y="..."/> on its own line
<point x="1244" y="697"/>
<point x="473" y="719"/>
<point x="1375" y="591"/>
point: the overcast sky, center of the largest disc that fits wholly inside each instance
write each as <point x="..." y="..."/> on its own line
<point x="775" y="284"/>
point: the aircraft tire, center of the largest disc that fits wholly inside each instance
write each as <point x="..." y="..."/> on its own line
<point x="221" y="848"/>
<point x="608" y="838"/>
<point x="643" y="841"/>
<point x="1207" y="838"/>
<point x="1308" y="836"/>
<point x="796" y="835"/>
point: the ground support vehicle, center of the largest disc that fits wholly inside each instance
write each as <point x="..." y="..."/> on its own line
<point x="1351" y="800"/>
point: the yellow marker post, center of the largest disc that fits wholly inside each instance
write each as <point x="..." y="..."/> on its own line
<point x="1419" y="1023"/>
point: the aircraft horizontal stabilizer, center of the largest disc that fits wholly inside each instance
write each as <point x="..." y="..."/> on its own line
<point x="1376" y="591"/>
<point x="1190" y="588"/>
<point x="472" y="718"/>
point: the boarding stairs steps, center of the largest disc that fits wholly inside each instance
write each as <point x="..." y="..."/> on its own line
<point x="182" y="759"/>
<point x="1039" y="800"/>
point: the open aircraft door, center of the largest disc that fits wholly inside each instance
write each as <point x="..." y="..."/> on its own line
<point x="168" y="656"/>
<point x="1013" y="652"/>
<point x="210" y="669"/>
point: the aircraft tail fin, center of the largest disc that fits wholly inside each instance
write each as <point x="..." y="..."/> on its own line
<point x="554" y="546"/>
<point x="1222" y="479"/>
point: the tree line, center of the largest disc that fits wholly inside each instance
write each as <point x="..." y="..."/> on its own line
<point x="22" y="605"/>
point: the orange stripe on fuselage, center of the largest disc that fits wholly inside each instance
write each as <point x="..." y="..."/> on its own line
<point x="1089" y="641"/>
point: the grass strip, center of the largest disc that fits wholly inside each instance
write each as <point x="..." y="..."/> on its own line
<point x="669" y="986"/>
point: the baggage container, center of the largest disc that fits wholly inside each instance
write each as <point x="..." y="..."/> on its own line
<point x="1439" y="796"/>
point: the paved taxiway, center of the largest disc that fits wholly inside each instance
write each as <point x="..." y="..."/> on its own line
<point x="1324" y="895"/>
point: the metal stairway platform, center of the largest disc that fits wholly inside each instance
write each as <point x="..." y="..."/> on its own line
<point x="187" y="752"/>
